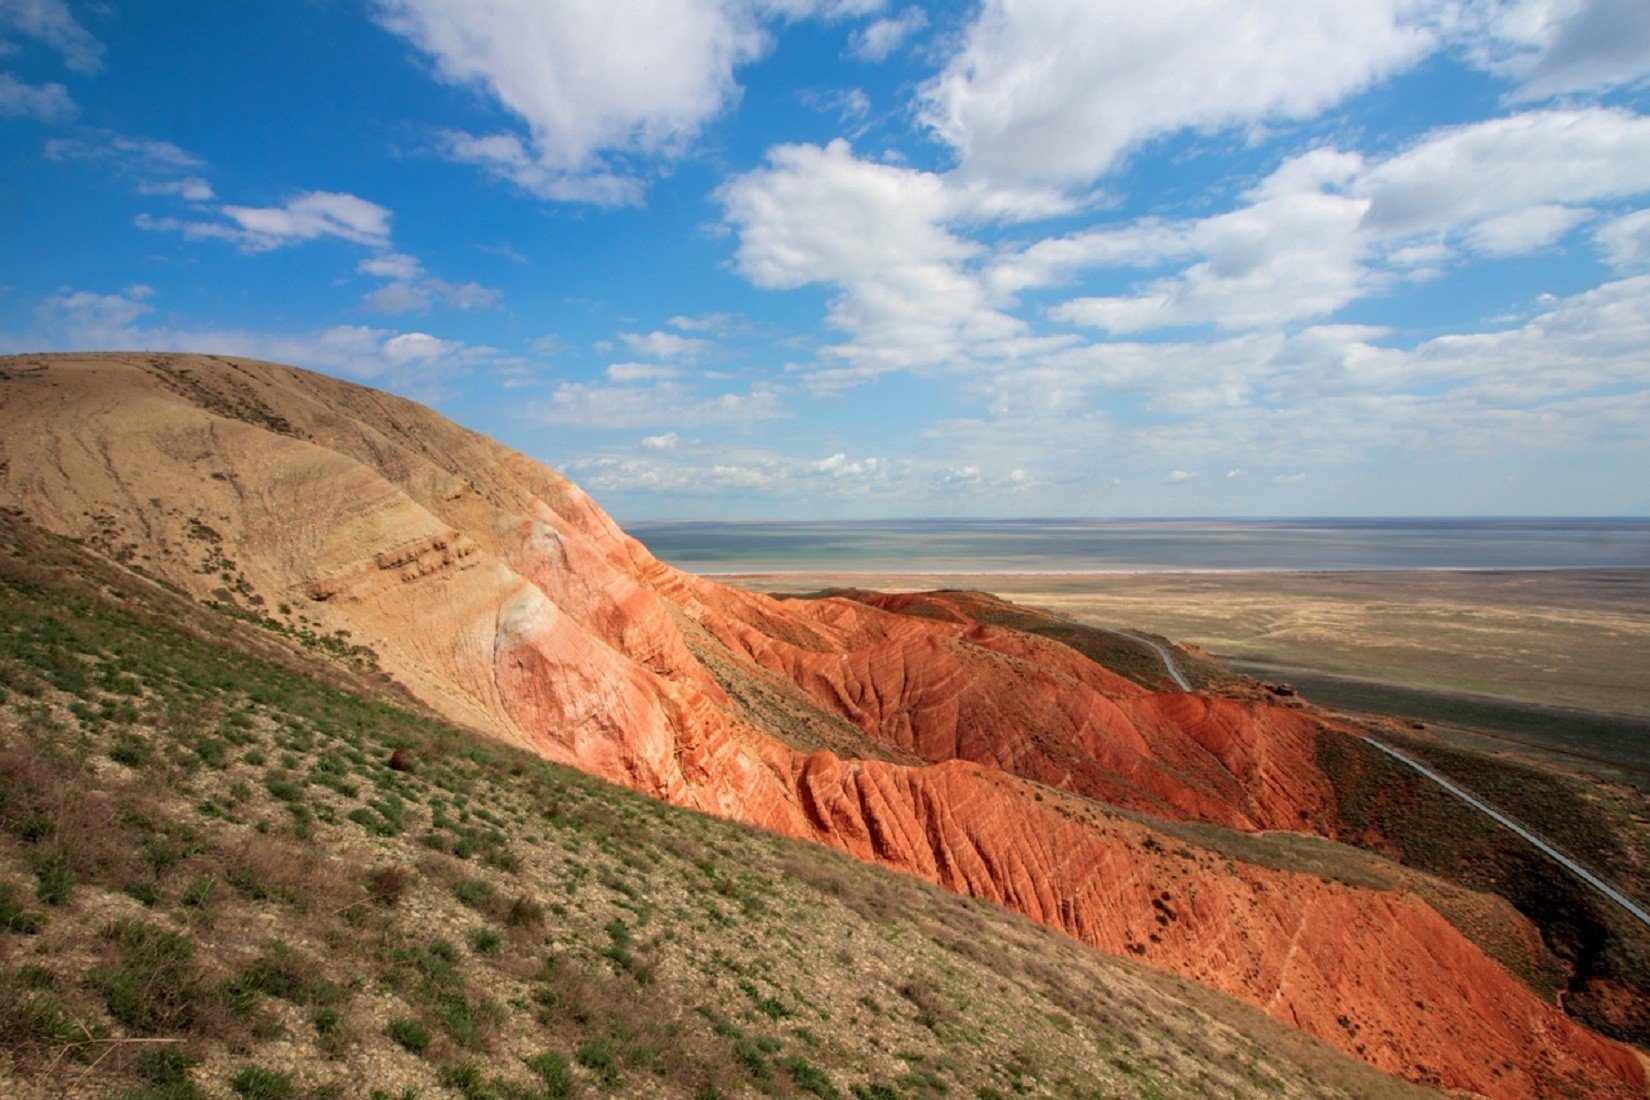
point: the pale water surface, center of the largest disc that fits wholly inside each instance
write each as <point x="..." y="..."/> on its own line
<point x="1079" y="546"/>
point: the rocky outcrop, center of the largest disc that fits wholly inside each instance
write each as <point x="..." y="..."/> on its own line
<point x="999" y="764"/>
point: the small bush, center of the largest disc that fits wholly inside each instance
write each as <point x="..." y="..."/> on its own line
<point x="33" y="1016"/>
<point x="388" y="885"/>
<point x="15" y="918"/>
<point x="152" y="986"/>
<point x="553" y="1071"/>
<point x="486" y="941"/>
<point x="257" y="1083"/>
<point x="472" y="892"/>
<point x="810" y="1078"/>
<point x="167" y="1068"/>
<point x="412" y="1036"/>
<point x="524" y="912"/>
<point x="601" y="1056"/>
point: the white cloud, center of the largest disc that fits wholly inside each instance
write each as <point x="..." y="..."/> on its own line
<point x="1626" y="240"/>
<point x="668" y="441"/>
<point x="51" y="22"/>
<point x="1500" y="166"/>
<point x="665" y="345"/>
<point x="717" y="324"/>
<point x="41" y="102"/>
<point x="311" y="215"/>
<point x="1277" y="260"/>
<point x="84" y="320"/>
<point x="640" y="372"/>
<point x="665" y="403"/>
<point x="397" y="298"/>
<point x="504" y="156"/>
<point x="1288" y="479"/>
<point x="155" y="167"/>
<point x="188" y="188"/>
<point x="1521" y="231"/>
<point x="1175" y="477"/>
<point x="391" y="265"/>
<point x="590" y="81"/>
<point x="1327" y="228"/>
<point x="878" y="233"/>
<point x="1056" y="92"/>
<point x="876" y="40"/>
<point x="87" y="310"/>
<point x="599" y="88"/>
<point x="305" y="217"/>
<point x="709" y="470"/>
<point x="1553" y="47"/>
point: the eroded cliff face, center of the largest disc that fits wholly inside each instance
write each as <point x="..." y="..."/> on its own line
<point x="987" y="760"/>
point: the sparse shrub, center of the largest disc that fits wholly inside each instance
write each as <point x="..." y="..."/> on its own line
<point x="809" y="1077"/>
<point x="554" y="1073"/>
<point x="469" y="1080"/>
<point x="199" y="893"/>
<point x="388" y="885"/>
<point x="258" y="1083"/>
<point x="15" y="918"/>
<point x="875" y="1092"/>
<point x="34" y="1016"/>
<point x="131" y="750"/>
<point x="167" y="1069"/>
<point x="486" y="941"/>
<point x="600" y="1055"/>
<point x="152" y="986"/>
<point x="412" y="1035"/>
<point x="472" y="892"/>
<point x="524" y="912"/>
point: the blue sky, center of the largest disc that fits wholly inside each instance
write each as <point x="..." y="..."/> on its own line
<point x="843" y="258"/>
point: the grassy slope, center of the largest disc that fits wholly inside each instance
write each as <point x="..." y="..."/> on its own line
<point x="230" y="866"/>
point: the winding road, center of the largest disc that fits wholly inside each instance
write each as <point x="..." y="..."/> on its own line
<point x="1633" y="908"/>
<point x="1162" y="652"/>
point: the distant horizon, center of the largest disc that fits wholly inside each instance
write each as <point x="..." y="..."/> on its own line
<point x="1056" y="545"/>
<point x="1211" y="518"/>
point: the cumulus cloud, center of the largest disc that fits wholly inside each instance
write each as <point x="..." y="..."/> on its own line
<point x="1327" y="227"/>
<point x="416" y="297"/>
<point x="598" y="88"/>
<point x="304" y="217"/>
<point x="41" y="102"/>
<point x="1054" y="92"/>
<point x="1481" y="170"/>
<point x="716" y="324"/>
<point x="391" y="265"/>
<point x="1553" y="47"/>
<point x="1625" y="241"/>
<point x="876" y="40"/>
<point x="641" y="372"/>
<point x="879" y="234"/>
<point x="311" y="215"/>
<point x="87" y="320"/>
<point x="631" y="403"/>
<point x="668" y="441"/>
<point x="54" y="25"/>
<point x="665" y="345"/>
<point x="710" y="469"/>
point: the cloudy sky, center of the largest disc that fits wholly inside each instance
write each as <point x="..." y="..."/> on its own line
<point x="822" y="258"/>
